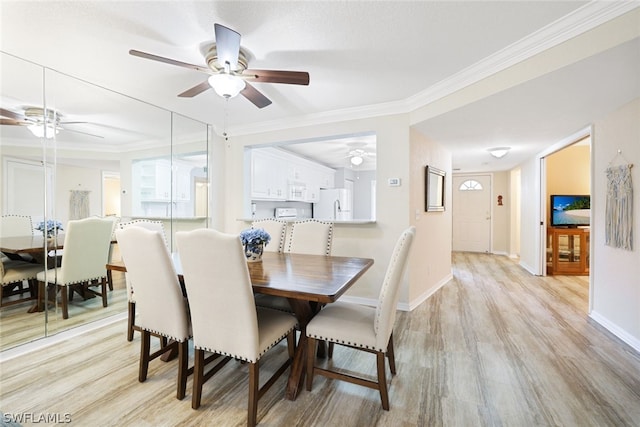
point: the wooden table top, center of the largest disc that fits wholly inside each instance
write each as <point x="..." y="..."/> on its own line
<point x="306" y="277"/>
<point x="28" y="244"/>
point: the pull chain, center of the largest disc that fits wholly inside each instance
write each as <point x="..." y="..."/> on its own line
<point x="226" y="119"/>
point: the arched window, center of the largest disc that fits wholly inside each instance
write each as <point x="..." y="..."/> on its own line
<point x="470" y="185"/>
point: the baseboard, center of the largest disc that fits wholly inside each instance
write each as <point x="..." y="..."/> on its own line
<point x="503" y="253"/>
<point x="528" y="268"/>
<point x="616" y="330"/>
<point x="403" y="306"/>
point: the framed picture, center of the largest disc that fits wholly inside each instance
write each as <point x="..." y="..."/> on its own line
<point x="433" y="189"/>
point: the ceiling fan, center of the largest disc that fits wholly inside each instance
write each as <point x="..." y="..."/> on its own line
<point x="227" y="66"/>
<point x="40" y="121"/>
<point x="357" y="156"/>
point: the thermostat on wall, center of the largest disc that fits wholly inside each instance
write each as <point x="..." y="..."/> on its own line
<point x="394" y="182"/>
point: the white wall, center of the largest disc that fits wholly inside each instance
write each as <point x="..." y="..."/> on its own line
<point x="500" y="217"/>
<point x="616" y="272"/>
<point x="530" y="215"/>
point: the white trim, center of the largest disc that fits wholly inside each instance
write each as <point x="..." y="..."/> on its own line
<point x="616" y="330"/>
<point x="528" y="268"/>
<point x="41" y="343"/>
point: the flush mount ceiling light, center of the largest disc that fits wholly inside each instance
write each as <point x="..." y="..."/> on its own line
<point x="499" y="152"/>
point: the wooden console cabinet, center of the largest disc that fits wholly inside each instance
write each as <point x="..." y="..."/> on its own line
<point x="568" y="251"/>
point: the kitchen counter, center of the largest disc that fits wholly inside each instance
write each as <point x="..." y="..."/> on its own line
<point x="352" y="222"/>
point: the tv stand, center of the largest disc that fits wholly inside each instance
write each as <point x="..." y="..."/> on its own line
<point x="568" y="251"/>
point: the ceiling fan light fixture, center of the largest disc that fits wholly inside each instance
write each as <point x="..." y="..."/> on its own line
<point x="356" y="160"/>
<point x="39" y="130"/>
<point x="499" y="152"/>
<point x="226" y="85"/>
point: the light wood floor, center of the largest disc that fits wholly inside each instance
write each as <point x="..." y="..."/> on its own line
<point x="494" y="347"/>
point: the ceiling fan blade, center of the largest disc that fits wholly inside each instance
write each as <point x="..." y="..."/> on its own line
<point x="274" y="76"/>
<point x="196" y="90"/>
<point x="12" y="122"/>
<point x="255" y="96"/>
<point x="169" y="61"/>
<point x="227" y="45"/>
<point x="11" y="115"/>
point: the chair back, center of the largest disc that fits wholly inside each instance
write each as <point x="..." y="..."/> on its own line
<point x="389" y="293"/>
<point x="277" y="229"/>
<point x="15" y="225"/>
<point x="87" y="244"/>
<point x="223" y="310"/>
<point x="311" y="237"/>
<point x="149" y="224"/>
<point x="161" y="306"/>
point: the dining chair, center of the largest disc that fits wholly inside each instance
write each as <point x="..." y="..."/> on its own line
<point x="86" y="253"/>
<point x="277" y="229"/>
<point x="163" y="309"/>
<point x="311" y="236"/>
<point x="131" y="297"/>
<point x="224" y="316"/>
<point x="363" y="328"/>
<point x="13" y="273"/>
<point x="14" y="226"/>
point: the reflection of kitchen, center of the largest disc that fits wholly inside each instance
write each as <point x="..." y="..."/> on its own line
<point x="165" y="187"/>
<point x="287" y="186"/>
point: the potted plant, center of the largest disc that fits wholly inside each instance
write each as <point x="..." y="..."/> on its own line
<point x="254" y="240"/>
<point x="49" y="228"/>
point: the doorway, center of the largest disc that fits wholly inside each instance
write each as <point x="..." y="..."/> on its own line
<point x="471" y="214"/>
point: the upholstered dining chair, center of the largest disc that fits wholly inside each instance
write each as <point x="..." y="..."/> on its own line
<point x="86" y="253"/>
<point x="131" y="297"/>
<point x="363" y="328"/>
<point x="277" y="229"/>
<point x="224" y="316"/>
<point x="312" y="237"/>
<point x="15" y="273"/>
<point x="163" y="309"/>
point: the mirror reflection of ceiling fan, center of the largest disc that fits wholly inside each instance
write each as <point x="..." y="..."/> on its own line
<point x="41" y="122"/>
<point x="227" y="66"/>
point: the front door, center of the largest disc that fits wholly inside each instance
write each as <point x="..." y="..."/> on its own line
<point x="471" y="211"/>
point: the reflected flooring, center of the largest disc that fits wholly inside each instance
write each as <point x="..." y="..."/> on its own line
<point x="19" y="327"/>
<point x="494" y="347"/>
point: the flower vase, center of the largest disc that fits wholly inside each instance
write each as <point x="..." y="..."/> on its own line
<point x="253" y="251"/>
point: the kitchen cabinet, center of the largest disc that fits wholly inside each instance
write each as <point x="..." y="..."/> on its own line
<point x="156" y="182"/>
<point x="568" y="251"/>
<point x="268" y="176"/>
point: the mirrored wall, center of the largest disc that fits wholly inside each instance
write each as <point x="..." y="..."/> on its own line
<point x="71" y="150"/>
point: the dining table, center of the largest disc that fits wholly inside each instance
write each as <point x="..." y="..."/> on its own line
<point x="33" y="245"/>
<point x="308" y="282"/>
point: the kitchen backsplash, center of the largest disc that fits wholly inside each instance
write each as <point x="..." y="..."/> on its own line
<point x="266" y="209"/>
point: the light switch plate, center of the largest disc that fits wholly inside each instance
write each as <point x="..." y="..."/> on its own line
<point x="394" y="182"/>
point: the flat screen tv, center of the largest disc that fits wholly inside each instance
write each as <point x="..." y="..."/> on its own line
<point x="570" y="210"/>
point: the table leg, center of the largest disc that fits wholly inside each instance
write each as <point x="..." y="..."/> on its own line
<point x="304" y="313"/>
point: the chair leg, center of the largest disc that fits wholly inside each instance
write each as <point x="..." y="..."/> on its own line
<point x="104" y="291"/>
<point x="391" y="356"/>
<point x="311" y="359"/>
<point x="382" y="380"/>
<point x="145" y="346"/>
<point x="198" y="373"/>
<point x="330" y="350"/>
<point x="183" y="367"/>
<point x="131" y="320"/>
<point x="65" y="302"/>
<point x="254" y="377"/>
<point x="291" y="344"/>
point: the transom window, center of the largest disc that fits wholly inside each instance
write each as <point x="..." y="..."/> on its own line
<point x="470" y="185"/>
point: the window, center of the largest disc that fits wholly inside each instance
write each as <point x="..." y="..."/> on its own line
<point x="470" y="185"/>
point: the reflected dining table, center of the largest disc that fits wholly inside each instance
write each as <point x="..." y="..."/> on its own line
<point x="33" y="245"/>
<point x="307" y="281"/>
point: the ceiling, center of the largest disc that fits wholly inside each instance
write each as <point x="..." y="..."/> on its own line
<point x="360" y="55"/>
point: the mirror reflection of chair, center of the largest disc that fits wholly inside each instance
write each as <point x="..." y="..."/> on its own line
<point x="277" y="229"/>
<point x="13" y="274"/>
<point x="224" y="315"/>
<point x="362" y="328"/>
<point x="131" y="297"/>
<point x="86" y="253"/>
<point x="163" y="308"/>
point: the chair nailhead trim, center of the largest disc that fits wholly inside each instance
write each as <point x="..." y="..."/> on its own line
<point x="349" y="343"/>
<point x="235" y="356"/>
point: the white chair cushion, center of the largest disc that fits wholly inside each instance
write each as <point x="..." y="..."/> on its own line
<point x="272" y="326"/>
<point x="17" y="271"/>
<point x="345" y="323"/>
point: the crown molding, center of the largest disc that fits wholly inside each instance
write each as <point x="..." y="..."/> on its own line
<point x="581" y="20"/>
